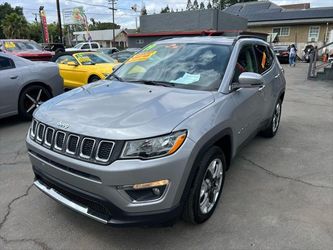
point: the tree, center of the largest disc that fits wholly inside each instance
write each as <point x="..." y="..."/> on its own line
<point x="166" y="9"/>
<point x="6" y="9"/>
<point x="195" y="5"/>
<point x="209" y="5"/>
<point x="96" y="25"/>
<point x="144" y="11"/>
<point x="202" y="6"/>
<point x="14" y="26"/>
<point x="189" y="5"/>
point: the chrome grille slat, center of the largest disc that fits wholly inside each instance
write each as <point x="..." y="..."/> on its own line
<point x="59" y="140"/>
<point x="40" y="132"/>
<point x="49" y="133"/>
<point x="86" y="147"/>
<point x="80" y="147"/>
<point x="70" y="140"/>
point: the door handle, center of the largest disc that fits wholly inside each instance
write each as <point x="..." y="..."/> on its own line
<point x="13" y="77"/>
<point x="277" y="76"/>
<point x="262" y="87"/>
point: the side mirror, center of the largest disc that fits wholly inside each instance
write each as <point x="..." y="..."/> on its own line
<point x="72" y="64"/>
<point x="248" y="80"/>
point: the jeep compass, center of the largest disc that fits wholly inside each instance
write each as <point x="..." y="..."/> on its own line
<point x="153" y="141"/>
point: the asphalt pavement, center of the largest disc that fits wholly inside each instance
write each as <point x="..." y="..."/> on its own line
<point x="278" y="192"/>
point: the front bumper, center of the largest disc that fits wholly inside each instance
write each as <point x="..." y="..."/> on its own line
<point x="94" y="190"/>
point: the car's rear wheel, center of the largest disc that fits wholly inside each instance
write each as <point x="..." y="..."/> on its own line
<point x="30" y="99"/>
<point x="93" y="79"/>
<point x="207" y="187"/>
<point x="274" y="124"/>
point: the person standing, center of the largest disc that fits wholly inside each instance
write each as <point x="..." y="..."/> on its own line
<point x="292" y="55"/>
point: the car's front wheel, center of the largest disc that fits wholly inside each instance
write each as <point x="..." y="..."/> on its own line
<point x="30" y="99"/>
<point x="207" y="187"/>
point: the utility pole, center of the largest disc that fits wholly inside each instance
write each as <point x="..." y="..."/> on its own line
<point x="59" y="21"/>
<point x="113" y="2"/>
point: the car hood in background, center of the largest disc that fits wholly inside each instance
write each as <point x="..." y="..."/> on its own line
<point x="34" y="55"/>
<point x="120" y="111"/>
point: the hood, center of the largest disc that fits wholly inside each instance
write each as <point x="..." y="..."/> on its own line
<point x="119" y="110"/>
<point x="34" y="55"/>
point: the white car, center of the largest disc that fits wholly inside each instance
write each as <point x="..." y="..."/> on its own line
<point x="86" y="46"/>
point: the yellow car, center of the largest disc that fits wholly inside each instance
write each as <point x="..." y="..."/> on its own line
<point x="80" y="68"/>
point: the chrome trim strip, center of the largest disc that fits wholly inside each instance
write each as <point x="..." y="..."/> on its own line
<point x="65" y="201"/>
<point x="32" y="131"/>
<point x="77" y="143"/>
<point x="108" y="158"/>
<point x="55" y="140"/>
<point x="38" y="139"/>
<point x="46" y="143"/>
<point x="82" y="142"/>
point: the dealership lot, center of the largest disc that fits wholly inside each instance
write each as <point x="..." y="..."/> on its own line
<point x="278" y="193"/>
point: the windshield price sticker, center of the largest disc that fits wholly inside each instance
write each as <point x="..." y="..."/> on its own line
<point x="142" y="56"/>
<point x="84" y="59"/>
<point x="9" y="45"/>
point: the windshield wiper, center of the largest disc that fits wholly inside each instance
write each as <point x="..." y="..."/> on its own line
<point x="156" y="83"/>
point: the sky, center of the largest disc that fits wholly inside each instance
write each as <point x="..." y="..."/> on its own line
<point x="124" y="16"/>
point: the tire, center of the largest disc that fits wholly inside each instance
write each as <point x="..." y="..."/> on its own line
<point x="274" y="123"/>
<point x="196" y="211"/>
<point x="30" y="99"/>
<point x="93" y="79"/>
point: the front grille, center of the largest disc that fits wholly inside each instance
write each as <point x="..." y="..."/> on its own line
<point x="73" y="140"/>
<point x="87" y="147"/>
<point x="40" y="132"/>
<point x="78" y="146"/>
<point x="104" y="150"/>
<point x="60" y="140"/>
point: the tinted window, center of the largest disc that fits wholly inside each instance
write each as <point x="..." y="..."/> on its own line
<point x="264" y="58"/>
<point x="246" y="62"/>
<point x="65" y="59"/>
<point x="94" y="45"/>
<point x="6" y="63"/>
<point x="85" y="46"/>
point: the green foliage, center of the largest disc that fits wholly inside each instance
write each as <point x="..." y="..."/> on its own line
<point x="14" y="26"/>
<point x="195" y="5"/>
<point x="189" y="5"/>
<point x="6" y="9"/>
<point x="202" y="6"/>
<point x="165" y="10"/>
<point x="144" y="11"/>
<point x="97" y="25"/>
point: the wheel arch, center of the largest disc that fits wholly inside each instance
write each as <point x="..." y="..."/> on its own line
<point x="224" y="140"/>
<point x="93" y="75"/>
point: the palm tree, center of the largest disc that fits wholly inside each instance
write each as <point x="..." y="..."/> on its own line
<point x="14" y="26"/>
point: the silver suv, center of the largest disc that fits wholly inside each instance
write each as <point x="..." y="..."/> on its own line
<point x="153" y="141"/>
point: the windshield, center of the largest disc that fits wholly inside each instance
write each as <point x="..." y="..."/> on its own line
<point x="93" y="58"/>
<point x="77" y="46"/>
<point x="192" y="66"/>
<point x="21" y="45"/>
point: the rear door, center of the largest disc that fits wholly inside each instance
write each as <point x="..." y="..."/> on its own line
<point x="248" y="101"/>
<point x="9" y="79"/>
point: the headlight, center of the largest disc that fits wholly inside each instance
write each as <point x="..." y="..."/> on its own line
<point x="154" y="147"/>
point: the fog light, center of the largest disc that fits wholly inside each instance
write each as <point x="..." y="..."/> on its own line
<point x="147" y="191"/>
<point x="156" y="191"/>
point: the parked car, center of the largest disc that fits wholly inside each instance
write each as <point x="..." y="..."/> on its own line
<point x="282" y="53"/>
<point x="80" y="68"/>
<point x="122" y="56"/>
<point x="108" y="51"/>
<point x="153" y="141"/>
<point x="24" y="85"/>
<point x="55" y="47"/>
<point x="25" y="48"/>
<point x="86" y="46"/>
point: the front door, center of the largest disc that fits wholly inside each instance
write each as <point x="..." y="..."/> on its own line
<point x="249" y="101"/>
